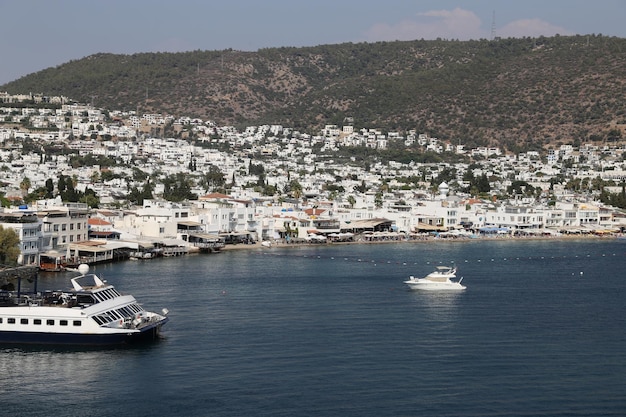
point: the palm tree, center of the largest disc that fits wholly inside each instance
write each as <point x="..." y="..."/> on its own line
<point x="25" y="185"/>
<point x="296" y="189"/>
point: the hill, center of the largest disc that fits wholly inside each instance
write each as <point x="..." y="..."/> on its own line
<point x="520" y="93"/>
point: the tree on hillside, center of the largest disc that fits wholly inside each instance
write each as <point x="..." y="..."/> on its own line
<point x="378" y="199"/>
<point x="90" y="198"/>
<point x="137" y="196"/>
<point x="295" y="189"/>
<point x="49" y="188"/>
<point x="25" y="185"/>
<point x="9" y="246"/>
<point x="213" y="179"/>
<point x="4" y="202"/>
<point x="177" y="187"/>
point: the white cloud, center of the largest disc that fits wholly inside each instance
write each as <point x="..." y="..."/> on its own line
<point x="531" y="28"/>
<point x="447" y="24"/>
<point x="457" y="24"/>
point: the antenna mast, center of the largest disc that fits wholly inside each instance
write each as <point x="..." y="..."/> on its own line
<point x="493" y="26"/>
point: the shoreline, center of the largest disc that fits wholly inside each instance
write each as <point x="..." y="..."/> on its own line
<point x="276" y="244"/>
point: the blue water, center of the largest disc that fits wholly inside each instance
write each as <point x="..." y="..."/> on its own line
<point x="333" y="331"/>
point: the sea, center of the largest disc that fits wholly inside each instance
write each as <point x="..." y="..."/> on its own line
<point x="332" y="330"/>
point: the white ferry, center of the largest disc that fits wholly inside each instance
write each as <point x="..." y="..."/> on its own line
<point x="92" y="313"/>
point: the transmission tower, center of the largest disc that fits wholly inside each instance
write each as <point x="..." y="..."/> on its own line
<point x="493" y="26"/>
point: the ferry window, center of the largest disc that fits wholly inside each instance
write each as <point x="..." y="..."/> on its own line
<point x="84" y="299"/>
<point x="11" y="320"/>
<point x="63" y="322"/>
<point x="0" y="319"/>
<point x="77" y="323"/>
<point x="50" y="322"/>
<point x="98" y="320"/>
<point x="23" y="321"/>
<point x="37" y="321"/>
<point x="116" y="314"/>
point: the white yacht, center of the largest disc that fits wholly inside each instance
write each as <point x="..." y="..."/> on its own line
<point x="93" y="312"/>
<point x="440" y="279"/>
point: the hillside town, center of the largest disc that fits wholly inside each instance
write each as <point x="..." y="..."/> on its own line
<point x="271" y="184"/>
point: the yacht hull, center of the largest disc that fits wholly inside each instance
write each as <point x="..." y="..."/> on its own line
<point x="430" y="286"/>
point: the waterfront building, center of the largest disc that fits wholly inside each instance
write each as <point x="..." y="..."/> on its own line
<point x="62" y="224"/>
<point x="28" y="228"/>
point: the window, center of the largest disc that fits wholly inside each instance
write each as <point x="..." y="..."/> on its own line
<point x="50" y="322"/>
<point x="63" y="322"/>
<point x="55" y="228"/>
<point x="71" y="226"/>
<point x="23" y="321"/>
<point x="77" y="323"/>
<point x="37" y="321"/>
<point x="64" y="227"/>
<point x="11" y="320"/>
<point x="0" y="319"/>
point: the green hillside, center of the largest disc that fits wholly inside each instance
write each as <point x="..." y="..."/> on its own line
<point x="521" y="93"/>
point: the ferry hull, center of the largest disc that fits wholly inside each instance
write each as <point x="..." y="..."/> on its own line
<point x="149" y="333"/>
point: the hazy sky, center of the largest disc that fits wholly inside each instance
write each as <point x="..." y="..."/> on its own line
<point x="37" y="34"/>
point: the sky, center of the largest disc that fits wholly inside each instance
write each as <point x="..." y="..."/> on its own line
<point x="38" y="34"/>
